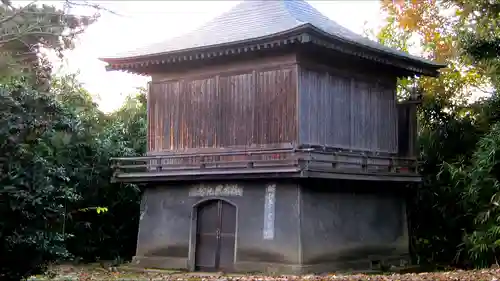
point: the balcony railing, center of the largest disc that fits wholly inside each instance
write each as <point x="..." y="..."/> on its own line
<point x="290" y="162"/>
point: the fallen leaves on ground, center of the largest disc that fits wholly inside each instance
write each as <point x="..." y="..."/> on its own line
<point x="93" y="273"/>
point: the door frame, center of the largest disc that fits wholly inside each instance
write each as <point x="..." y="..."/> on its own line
<point x="191" y="263"/>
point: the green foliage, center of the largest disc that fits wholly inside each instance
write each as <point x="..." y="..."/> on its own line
<point x="35" y="184"/>
<point x="437" y="222"/>
<point x="479" y="184"/>
<point x="57" y="199"/>
<point x="111" y="235"/>
<point x="453" y="214"/>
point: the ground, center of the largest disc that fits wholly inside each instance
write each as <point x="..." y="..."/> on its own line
<point x="98" y="272"/>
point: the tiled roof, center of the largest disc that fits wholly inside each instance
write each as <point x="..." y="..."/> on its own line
<point x="253" y="19"/>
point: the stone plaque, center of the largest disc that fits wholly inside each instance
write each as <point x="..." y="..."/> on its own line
<point x="144" y="206"/>
<point x="269" y="202"/>
<point x="202" y="190"/>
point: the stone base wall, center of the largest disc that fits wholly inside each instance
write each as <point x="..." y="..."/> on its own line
<point x="304" y="227"/>
<point x="363" y="265"/>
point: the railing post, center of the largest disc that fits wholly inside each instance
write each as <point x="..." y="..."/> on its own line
<point x="250" y="163"/>
<point x="115" y="167"/>
<point x="159" y="165"/>
<point x="364" y="163"/>
<point x="335" y="160"/>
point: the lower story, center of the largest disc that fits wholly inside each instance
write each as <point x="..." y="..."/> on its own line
<point x="309" y="226"/>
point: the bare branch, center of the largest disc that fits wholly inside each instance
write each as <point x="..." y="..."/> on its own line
<point x="94" y="6"/>
<point x="16" y="12"/>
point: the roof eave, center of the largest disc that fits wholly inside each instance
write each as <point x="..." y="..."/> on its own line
<point x="416" y="65"/>
<point x="306" y="33"/>
<point x="279" y="35"/>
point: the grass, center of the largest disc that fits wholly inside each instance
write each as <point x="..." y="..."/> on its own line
<point x="96" y="272"/>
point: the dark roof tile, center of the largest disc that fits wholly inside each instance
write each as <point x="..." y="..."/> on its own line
<point x="253" y="19"/>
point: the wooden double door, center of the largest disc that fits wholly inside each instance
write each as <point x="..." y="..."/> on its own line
<point x="215" y="236"/>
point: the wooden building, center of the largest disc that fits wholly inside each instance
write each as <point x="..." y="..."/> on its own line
<point x="275" y="143"/>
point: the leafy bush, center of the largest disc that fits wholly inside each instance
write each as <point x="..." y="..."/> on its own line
<point x="35" y="130"/>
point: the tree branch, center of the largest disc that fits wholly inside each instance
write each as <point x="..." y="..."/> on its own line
<point x="16" y="12"/>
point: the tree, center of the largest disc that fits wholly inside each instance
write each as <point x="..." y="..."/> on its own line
<point x="450" y="126"/>
<point x="55" y="173"/>
<point x="27" y="30"/>
<point x="113" y="235"/>
<point x="37" y="132"/>
<point x="34" y="183"/>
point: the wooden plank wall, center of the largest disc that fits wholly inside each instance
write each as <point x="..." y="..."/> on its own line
<point x="347" y="111"/>
<point x="233" y="109"/>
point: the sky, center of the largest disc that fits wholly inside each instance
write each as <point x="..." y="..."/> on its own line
<point x="138" y="23"/>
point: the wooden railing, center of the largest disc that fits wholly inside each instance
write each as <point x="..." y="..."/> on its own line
<point x="241" y="161"/>
<point x="174" y="161"/>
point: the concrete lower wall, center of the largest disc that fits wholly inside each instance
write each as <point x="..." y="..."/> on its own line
<point x="315" y="228"/>
<point x="346" y="223"/>
<point x="167" y="229"/>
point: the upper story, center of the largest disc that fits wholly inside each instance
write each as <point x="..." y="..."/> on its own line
<point x="275" y="75"/>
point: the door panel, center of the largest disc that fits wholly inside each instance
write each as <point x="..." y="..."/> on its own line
<point x="206" y="236"/>
<point x="215" y="237"/>
<point x="227" y="231"/>
<point x="226" y="257"/>
<point x="206" y="250"/>
<point x="208" y="217"/>
<point x="228" y="218"/>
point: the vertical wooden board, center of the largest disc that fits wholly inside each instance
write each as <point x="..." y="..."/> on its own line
<point x="193" y="130"/>
<point x="260" y="110"/>
<point x="276" y="98"/>
<point x="223" y="92"/>
<point x="313" y="105"/>
<point x="371" y="118"/>
<point x="328" y="106"/>
<point x="150" y="114"/>
<point x="290" y="109"/>
<point x="183" y="122"/>
<point x="157" y="116"/>
<point x="241" y="115"/>
<point x="307" y="101"/>
<point x="389" y="130"/>
<point x="195" y="112"/>
<point x="219" y="131"/>
<point x="174" y="91"/>
<point x="275" y="111"/>
<point x="325" y="106"/>
<point x="378" y="119"/>
<point x="230" y="110"/>
<point x="224" y="101"/>
<point x="161" y="121"/>
<point x="344" y="119"/>
<point x="355" y="115"/>
<point x="352" y="123"/>
<point x="302" y="109"/>
<point x="310" y="104"/>
<point x="167" y="130"/>
<point x="394" y="119"/>
<point x="212" y="112"/>
<point x="257" y="124"/>
<point x="248" y="107"/>
<point x="366" y="123"/>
